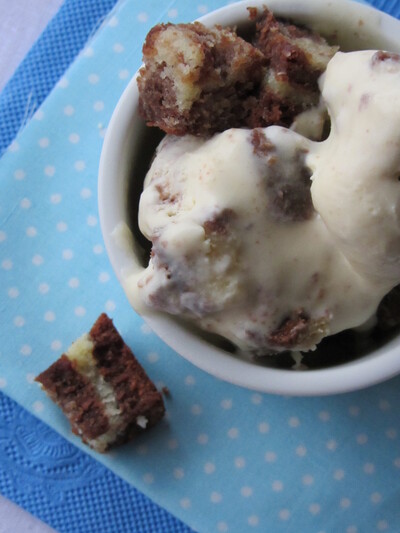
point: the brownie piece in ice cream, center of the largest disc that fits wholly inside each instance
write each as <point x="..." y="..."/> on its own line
<point x="295" y="58"/>
<point x="198" y="80"/>
<point x="195" y="79"/>
<point x="102" y="389"/>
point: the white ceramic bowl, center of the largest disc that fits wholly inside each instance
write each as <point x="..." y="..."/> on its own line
<point x="127" y="149"/>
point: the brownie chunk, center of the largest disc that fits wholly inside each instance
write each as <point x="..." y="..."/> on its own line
<point x="287" y="179"/>
<point x="201" y="81"/>
<point x="296" y="327"/>
<point x="102" y="389"/>
<point x="381" y="56"/>
<point x="77" y="397"/>
<point x="295" y="57"/>
<point x="195" y="79"/>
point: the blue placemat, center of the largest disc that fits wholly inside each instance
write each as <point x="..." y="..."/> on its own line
<point x="226" y="459"/>
<point x="54" y="480"/>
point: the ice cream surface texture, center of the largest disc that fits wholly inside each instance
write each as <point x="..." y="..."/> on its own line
<point x="274" y="241"/>
<point x="356" y="186"/>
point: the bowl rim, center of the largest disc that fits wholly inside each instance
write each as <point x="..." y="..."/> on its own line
<point x="378" y="366"/>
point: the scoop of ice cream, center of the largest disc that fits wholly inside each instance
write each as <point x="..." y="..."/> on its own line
<point x="356" y="176"/>
<point x="274" y="241"/>
<point x="238" y="246"/>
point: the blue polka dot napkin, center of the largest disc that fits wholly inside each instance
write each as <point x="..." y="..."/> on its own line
<point x="225" y="459"/>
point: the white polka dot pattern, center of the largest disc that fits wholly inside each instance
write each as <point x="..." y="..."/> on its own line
<point x="234" y="461"/>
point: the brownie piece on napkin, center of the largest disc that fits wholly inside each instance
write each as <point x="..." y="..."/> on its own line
<point x="102" y="389"/>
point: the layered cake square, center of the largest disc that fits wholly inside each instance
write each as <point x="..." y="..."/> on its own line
<point x="102" y="389"/>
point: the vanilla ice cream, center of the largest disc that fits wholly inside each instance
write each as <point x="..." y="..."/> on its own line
<point x="356" y="175"/>
<point x="274" y="241"/>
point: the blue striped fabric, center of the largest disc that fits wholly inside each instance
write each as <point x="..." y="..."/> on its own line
<point x="51" y="55"/>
